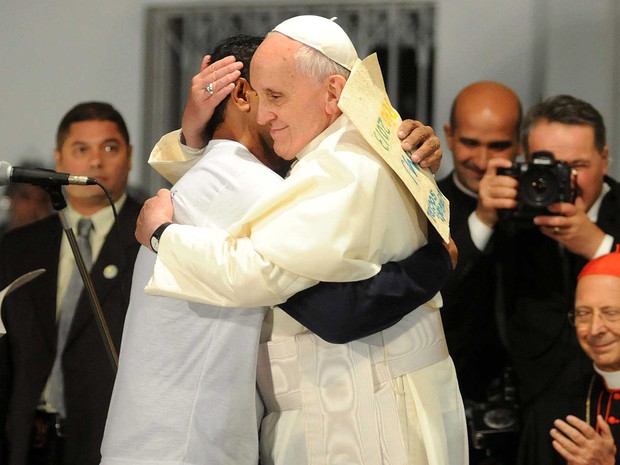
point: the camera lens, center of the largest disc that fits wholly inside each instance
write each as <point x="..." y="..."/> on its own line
<point x="538" y="188"/>
<point x="500" y="418"/>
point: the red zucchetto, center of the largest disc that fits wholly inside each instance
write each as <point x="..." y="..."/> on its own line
<point x="607" y="264"/>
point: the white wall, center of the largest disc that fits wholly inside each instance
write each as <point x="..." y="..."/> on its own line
<point x="55" y="54"/>
<point x="481" y="40"/>
<point x="540" y="48"/>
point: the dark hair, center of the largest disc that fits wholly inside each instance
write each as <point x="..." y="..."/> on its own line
<point x="565" y="109"/>
<point x="90" y="111"/>
<point x="242" y="47"/>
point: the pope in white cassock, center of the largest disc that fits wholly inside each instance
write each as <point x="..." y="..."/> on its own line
<point x="390" y="398"/>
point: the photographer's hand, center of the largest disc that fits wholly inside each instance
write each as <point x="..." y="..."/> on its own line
<point x="580" y="444"/>
<point x="573" y="229"/>
<point x="496" y="192"/>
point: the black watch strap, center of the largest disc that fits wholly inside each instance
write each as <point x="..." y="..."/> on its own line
<point x="157" y="235"/>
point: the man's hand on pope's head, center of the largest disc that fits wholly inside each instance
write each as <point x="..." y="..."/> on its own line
<point x="156" y="211"/>
<point x="422" y="142"/>
<point x="220" y="78"/>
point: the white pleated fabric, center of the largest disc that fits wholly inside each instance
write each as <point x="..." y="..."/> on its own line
<point x="391" y="398"/>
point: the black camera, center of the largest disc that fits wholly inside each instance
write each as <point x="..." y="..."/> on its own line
<point x="542" y="182"/>
<point x="494" y="425"/>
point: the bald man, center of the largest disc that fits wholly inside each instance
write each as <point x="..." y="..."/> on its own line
<point x="484" y="124"/>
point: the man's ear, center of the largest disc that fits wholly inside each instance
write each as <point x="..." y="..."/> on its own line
<point x="605" y="155"/>
<point x="447" y="129"/>
<point x="335" y="84"/>
<point x="240" y="95"/>
<point x="129" y="157"/>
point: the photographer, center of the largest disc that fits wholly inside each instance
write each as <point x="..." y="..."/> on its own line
<point x="537" y="265"/>
<point x="574" y="132"/>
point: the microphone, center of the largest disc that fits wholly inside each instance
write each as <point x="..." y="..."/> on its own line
<point x="40" y="176"/>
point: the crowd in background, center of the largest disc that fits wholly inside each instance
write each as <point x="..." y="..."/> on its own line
<point x="533" y="214"/>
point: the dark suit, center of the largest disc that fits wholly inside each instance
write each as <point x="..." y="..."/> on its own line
<point x="468" y="313"/>
<point x="27" y="351"/>
<point x="471" y="323"/>
<point x="530" y="280"/>
<point x="538" y="288"/>
<point x="343" y="312"/>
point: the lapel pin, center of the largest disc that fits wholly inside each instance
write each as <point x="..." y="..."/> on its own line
<point x="110" y="271"/>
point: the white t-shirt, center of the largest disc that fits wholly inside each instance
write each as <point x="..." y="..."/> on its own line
<point x="185" y="388"/>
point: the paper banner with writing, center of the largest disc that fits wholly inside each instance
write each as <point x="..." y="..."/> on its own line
<point x="366" y="103"/>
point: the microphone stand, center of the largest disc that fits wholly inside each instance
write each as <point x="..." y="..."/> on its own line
<point x="59" y="203"/>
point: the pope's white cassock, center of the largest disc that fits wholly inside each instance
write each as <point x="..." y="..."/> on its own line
<point x="185" y="392"/>
<point x="391" y="398"/>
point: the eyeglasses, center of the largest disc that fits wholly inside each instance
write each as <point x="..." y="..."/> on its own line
<point x="583" y="317"/>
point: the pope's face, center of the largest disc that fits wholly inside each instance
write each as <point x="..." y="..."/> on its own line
<point x="597" y="300"/>
<point x="290" y="103"/>
<point x="265" y="153"/>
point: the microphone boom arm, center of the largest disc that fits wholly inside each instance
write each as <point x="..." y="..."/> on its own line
<point x="59" y="203"/>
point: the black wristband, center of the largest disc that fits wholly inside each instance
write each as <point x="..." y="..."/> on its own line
<point x="156" y="235"/>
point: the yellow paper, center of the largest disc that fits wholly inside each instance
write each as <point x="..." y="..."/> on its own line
<point x="366" y="103"/>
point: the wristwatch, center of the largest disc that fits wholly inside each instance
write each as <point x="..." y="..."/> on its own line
<point x="156" y="235"/>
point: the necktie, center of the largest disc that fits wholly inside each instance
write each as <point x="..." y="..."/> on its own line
<point x="67" y="311"/>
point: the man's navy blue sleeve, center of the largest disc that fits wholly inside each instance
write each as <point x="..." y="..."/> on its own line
<point x="343" y="312"/>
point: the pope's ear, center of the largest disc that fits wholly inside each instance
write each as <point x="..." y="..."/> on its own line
<point x="334" y="86"/>
<point x="240" y="94"/>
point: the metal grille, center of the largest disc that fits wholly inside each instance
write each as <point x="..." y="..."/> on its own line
<point x="178" y="38"/>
